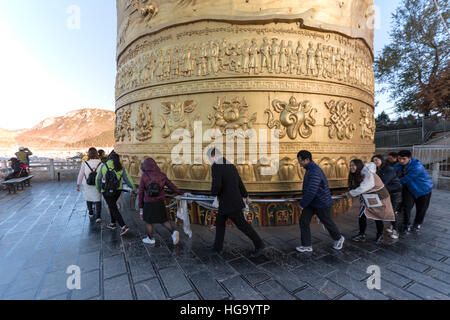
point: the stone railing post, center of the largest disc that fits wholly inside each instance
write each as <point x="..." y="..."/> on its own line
<point x="51" y="169"/>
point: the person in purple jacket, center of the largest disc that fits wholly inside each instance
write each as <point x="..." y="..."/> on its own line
<point x="316" y="201"/>
<point x="151" y="199"/>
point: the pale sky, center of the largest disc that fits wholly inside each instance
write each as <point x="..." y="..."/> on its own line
<point x="49" y="68"/>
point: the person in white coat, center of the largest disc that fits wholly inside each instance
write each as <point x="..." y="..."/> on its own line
<point x="86" y="179"/>
<point x="374" y="198"/>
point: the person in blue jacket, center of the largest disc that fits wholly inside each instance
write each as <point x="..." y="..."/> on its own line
<point x="417" y="188"/>
<point x="316" y="201"/>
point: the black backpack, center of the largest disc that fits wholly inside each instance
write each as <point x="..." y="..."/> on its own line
<point x="153" y="189"/>
<point x="112" y="183"/>
<point x="90" y="180"/>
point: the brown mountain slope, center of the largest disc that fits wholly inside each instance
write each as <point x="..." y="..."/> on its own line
<point x="75" y="129"/>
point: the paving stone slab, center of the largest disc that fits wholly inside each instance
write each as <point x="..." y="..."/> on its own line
<point x="141" y="268"/>
<point x="356" y="288"/>
<point x="272" y="290"/>
<point x="190" y="296"/>
<point x="114" y="266"/>
<point x="240" y="289"/>
<point x="310" y="294"/>
<point x="426" y="293"/>
<point x="283" y="276"/>
<point x="175" y="281"/>
<point x="422" y="278"/>
<point x="118" y="288"/>
<point x="90" y="286"/>
<point x="150" y="290"/>
<point x="208" y="287"/>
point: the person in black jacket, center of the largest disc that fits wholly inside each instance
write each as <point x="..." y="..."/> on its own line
<point x="229" y="189"/>
<point x="19" y="170"/>
<point x="316" y="201"/>
<point x="392" y="183"/>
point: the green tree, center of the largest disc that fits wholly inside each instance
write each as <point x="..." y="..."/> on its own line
<point x="383" y="117"/>
<point x="414" y="67"/>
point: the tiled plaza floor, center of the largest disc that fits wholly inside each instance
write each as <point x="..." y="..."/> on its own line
<point x="46" y="228"/>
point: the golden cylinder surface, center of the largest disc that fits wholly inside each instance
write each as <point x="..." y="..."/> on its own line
<point x="300" y="66"/>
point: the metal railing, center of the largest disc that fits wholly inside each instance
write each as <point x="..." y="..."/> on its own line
<point x="49" y="167"/>
<point x="411" y="136"/>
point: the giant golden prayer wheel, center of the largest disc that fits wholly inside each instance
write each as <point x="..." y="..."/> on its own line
<point x="303" y="67"/>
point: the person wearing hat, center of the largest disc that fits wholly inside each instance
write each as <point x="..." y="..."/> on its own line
<point x="23" y="155"/>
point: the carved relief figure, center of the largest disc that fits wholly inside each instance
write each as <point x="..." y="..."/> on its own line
<point x="245" y="54"/>
<point x="176" y="116"/>
<point x="295" y="118"/>
<point x="254" y="50"/>
<point x="367" y="124"/>
<point x="300" y="57"/>
<point x="340" y="125"/>
<point x="319" y="60"/>
<point x="265" y="55"/>
<point x="310" y="62"/>
<point x="231" y="115"/>
<point x="283" y="57"/>
<point x="275" y="56"/>
<point x="292" y="57"/>
<point x="144" y="124"/>
<point x="213" y="54"/>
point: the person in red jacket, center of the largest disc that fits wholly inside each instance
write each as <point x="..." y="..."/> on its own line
<point x="151" y="199"/>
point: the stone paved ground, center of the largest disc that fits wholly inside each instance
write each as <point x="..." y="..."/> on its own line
<point x="44" y="229"/>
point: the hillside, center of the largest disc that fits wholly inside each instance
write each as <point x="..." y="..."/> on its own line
<point x="80" y="128"/>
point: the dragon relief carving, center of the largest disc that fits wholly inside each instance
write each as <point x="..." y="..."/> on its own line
<point x="295" y="118"/>
<point x="231" y="114"/>
<point x="340" y="125"/>
<point x="177" y="116"/>
<point x="144" y="124"/>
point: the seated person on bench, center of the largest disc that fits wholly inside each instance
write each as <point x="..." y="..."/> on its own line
<point x="19" y="170"/>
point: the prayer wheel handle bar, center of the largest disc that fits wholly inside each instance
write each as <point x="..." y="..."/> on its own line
<point x="194" y="198"/>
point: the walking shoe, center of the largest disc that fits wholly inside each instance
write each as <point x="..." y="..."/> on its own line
<point x="390" y="229"/>
<point x="175" y="237"/>
<point x="379" y="239"/>
<point x="416" y="228"/>
<point x="257" y="252"/>
<point x="124" y="230"/>
<point x="339" y="244"/>
<point x="406" y="229"/>
<point x="99" y="220"/>
<point x="148" y="240"/>
<point x="394" y="234"/>
<point x="111" y="226"/>
<point x="304" y="249"/>
<point x="359" y="238"/>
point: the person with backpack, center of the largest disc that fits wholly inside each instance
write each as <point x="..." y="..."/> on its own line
<point x="19" y="170"/>
<point x="86" y="179"/>
<point x="23" y="155"/>
<point x="109" y="183"/>
<point x="151" y="199"/>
